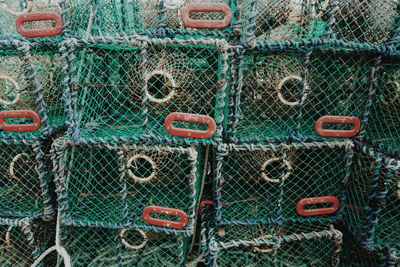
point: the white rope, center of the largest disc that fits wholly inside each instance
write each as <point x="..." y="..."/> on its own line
<point x="295" y="15"/>
<point x="12" y="164"/>
<point x="279" y="89"/>
<point x="7" y="8"/>
<point x="142" y="179"/>
<point x="324" y="7"/>
<point x="274" y="159"/>
<point x="173" y="85"/>
<point x="173" y="4"/>
<point x="60" y="250"/>
<point x="126" y="243"/>
<point x="263" y="250"/>
<point x="17" y="90"/>
<point x="8" y="238"/>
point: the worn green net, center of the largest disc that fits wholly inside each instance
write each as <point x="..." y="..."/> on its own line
<point x="286" y="245"/>
<point x="264" y="184"/>
<point x="112" y="185"/>
<point x="372" y="209"/>
<point x="25" y="178"/>
<point x="384" y="123"/>
<point x="127" y="91"/>
<point x="280" y="94"/>
<point x="123" y="247"/>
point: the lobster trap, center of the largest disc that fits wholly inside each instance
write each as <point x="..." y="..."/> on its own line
<point x="26" y="109"/>
<point x="302" y="182"/>
<point x="286" y="245"/>
<point x="145" y="186"/>
<point x="363" y="21"/>
<point x="25" y="179"/>
<point x="194" y="18"/>
<point x="353" y="254"/>
<point x="30" y="18"/>
<point x="150" y="90"/>
<point x="88" y="246"/>
<point x="383" y="127"/>
<point x="290" y="93"/>
<point x="372" y="209"/>
<point x="23" y="240"/>
<point x="279" y="20"/>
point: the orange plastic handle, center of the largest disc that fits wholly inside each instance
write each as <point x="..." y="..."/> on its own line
<point x="206" y="7"/>
<point x="177" y="116"/>
<point x="39" y="16"/>
<point x="165" y="223"/>
<point x="317" y="200"/>
<point x="20" y="127"/>
<point x="337" y="133"/>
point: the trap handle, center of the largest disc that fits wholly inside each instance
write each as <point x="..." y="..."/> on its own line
<point x="206" y="7"/>
<point x="337" y="133"/>
<point x="20" y="127"/>
<point x="188" y="117"/>
<point x="167" y="211"/>
<point x="317" y="200"/>
<point x="39" y="16"/>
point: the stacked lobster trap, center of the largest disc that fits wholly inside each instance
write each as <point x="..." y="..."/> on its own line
<point x="199" y="132"/>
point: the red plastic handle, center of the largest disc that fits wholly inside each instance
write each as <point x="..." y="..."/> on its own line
<point x="317" y="200"/>
<point x="38" y="16"/>
<point x="177" y="116"/>
<point x="206" y="7"/>
<point x="337" y="133"/>
<point x="203" y="203"/>
<point x="20" y="127"/>
<point x="165" y="223"/>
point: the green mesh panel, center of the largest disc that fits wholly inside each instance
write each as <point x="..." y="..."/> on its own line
<point x="9" y="9"/>
<point x="354" y="255"/>
<point x="262" y="114"/>
<point x="113" y="185"/>
<point x="274" y="98"/>
<point x="257" y="183"/>
<point x="384" y="123"/>
<point x="287" y="245"/>
<point x="86" y="18"/>
<point x="278" y="20"/>
<point x="123" y="247"/>
<point x="48" y="66"/>
<point x="365" y="21"/>
<point x="338" y="86"/>
<point x="371" y="179"/>
<point x="24" y="180"/>
<point x="121" y="94"/>
<point x="22" y="241"/>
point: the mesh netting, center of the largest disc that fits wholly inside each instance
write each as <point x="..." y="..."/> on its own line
<point x="365" y="21"/>
<point x="384" y="123"/>
<point x="110" y="185"/>
<point x="122" y="247"/>
<point x="24" y="180"/>
<point x="362" y="21"/>
<point x="372" y="210"/>
<point x="10" y="9"/>
<point x="30" y="91"/>
<point x="287" y="245"/>
<point x="46" y="60"/>
<point x="22" y="241"/>
<point x="257" y="184"/>
<point x="277" y="20"/>
<point x="281" y="94"/>
<point x="127" y="92"/>
<point x="118" y="17"/>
